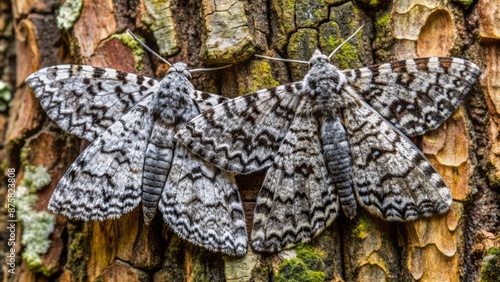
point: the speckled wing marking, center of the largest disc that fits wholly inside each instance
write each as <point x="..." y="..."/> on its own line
<point x="243" y="134"/>
<point x="105" y="181"/>
<point x="297" y="199"/>
<point x="84" y="100"/>
<point x="415" y="95"/>
<point x="131" y="121"/>
<point x="204" y="100"/>
<point x="365" y="159"/>
<point x="201" y="204"/>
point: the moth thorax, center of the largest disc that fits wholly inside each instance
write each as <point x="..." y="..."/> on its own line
<point x="324" y="84"/>
<point x="171" y="103"/>
<point x="323" y="79"/>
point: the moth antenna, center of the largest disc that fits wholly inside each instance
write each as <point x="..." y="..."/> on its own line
<point x="147" y="48"/>
<point x="209" y="69"/>
<point x="282" y="60"/>
<point x="347" y="40"/>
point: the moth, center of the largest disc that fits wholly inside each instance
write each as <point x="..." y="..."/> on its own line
<point x="336" y="140"/>
<point x="133" y="158"/>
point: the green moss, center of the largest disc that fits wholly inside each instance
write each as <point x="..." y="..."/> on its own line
<point x="465" y="3"/>
<point x="37" y="226"/>
<point x="68" y="13"/>
<point x="295" y="270"/>
<point x="76" y="247"/>
<point x="260" y="77"/>
<point x="260" y="272"/>
<point x="24" y="156"/>
<point x="347" y="57"/>
<point x="301" y="47"/>
<point x="285" y="11"/>
<point x="310" y="13"/>
<point x="347" y="16"/>
<point x="5" y="96"/>
<point x="383" y="22"/>
<point x="308" y="266"/>
<point x="135" y="46"/>
<point x="491" y="266"/>
<point x="207" y="266"/>
<point x="310" y="257"/>
<point x="493" y="179"/>
<point x="329" y="36"/>
<point x="363" y="225"/>
<point x="199" y="273"/>
<point x="377" y="4"/>
<point x="77" y="251"/>
<point x="383" y="39"/>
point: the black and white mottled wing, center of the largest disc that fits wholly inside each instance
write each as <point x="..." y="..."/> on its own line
<point x="131" y="121"/>
<point x="201" y="204"/>
<point x="352" y="153"/>
<point x="105" y="181"/>
<point x="84" y="100"/>
<point x="392" y="178"/>
<point x="298" y="198"/>
<point x="204" y="100"/>
<point x="415" y="95"/>
<point x="242" y="135"/>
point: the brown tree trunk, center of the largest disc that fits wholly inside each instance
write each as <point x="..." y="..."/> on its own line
<point x="462" y="245"/>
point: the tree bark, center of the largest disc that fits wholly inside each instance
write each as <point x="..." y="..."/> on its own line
<point x="462" y="245"/>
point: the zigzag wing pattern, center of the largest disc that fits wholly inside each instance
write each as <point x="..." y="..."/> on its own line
<point x="114" y="188"/>
<point x="298" y="198"/>
<point x="201" y="204"/>
<point x="392" y="178"/>
<point x="205" y="100"/>
<point x="415" y="95"/>
<point x="242" y="135"/>
<point x="85" y="101"/>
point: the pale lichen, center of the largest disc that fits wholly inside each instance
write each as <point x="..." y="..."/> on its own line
<point x="228" y="37"/>
<point x="310" y="13"/>
<point x="68" y="13"/>
<point x="37" y="225"/>
<point x="160" y="20"/>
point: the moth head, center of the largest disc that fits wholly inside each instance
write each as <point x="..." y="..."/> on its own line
<point x="318" y="58"/>
<point x="180" y="68"/>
